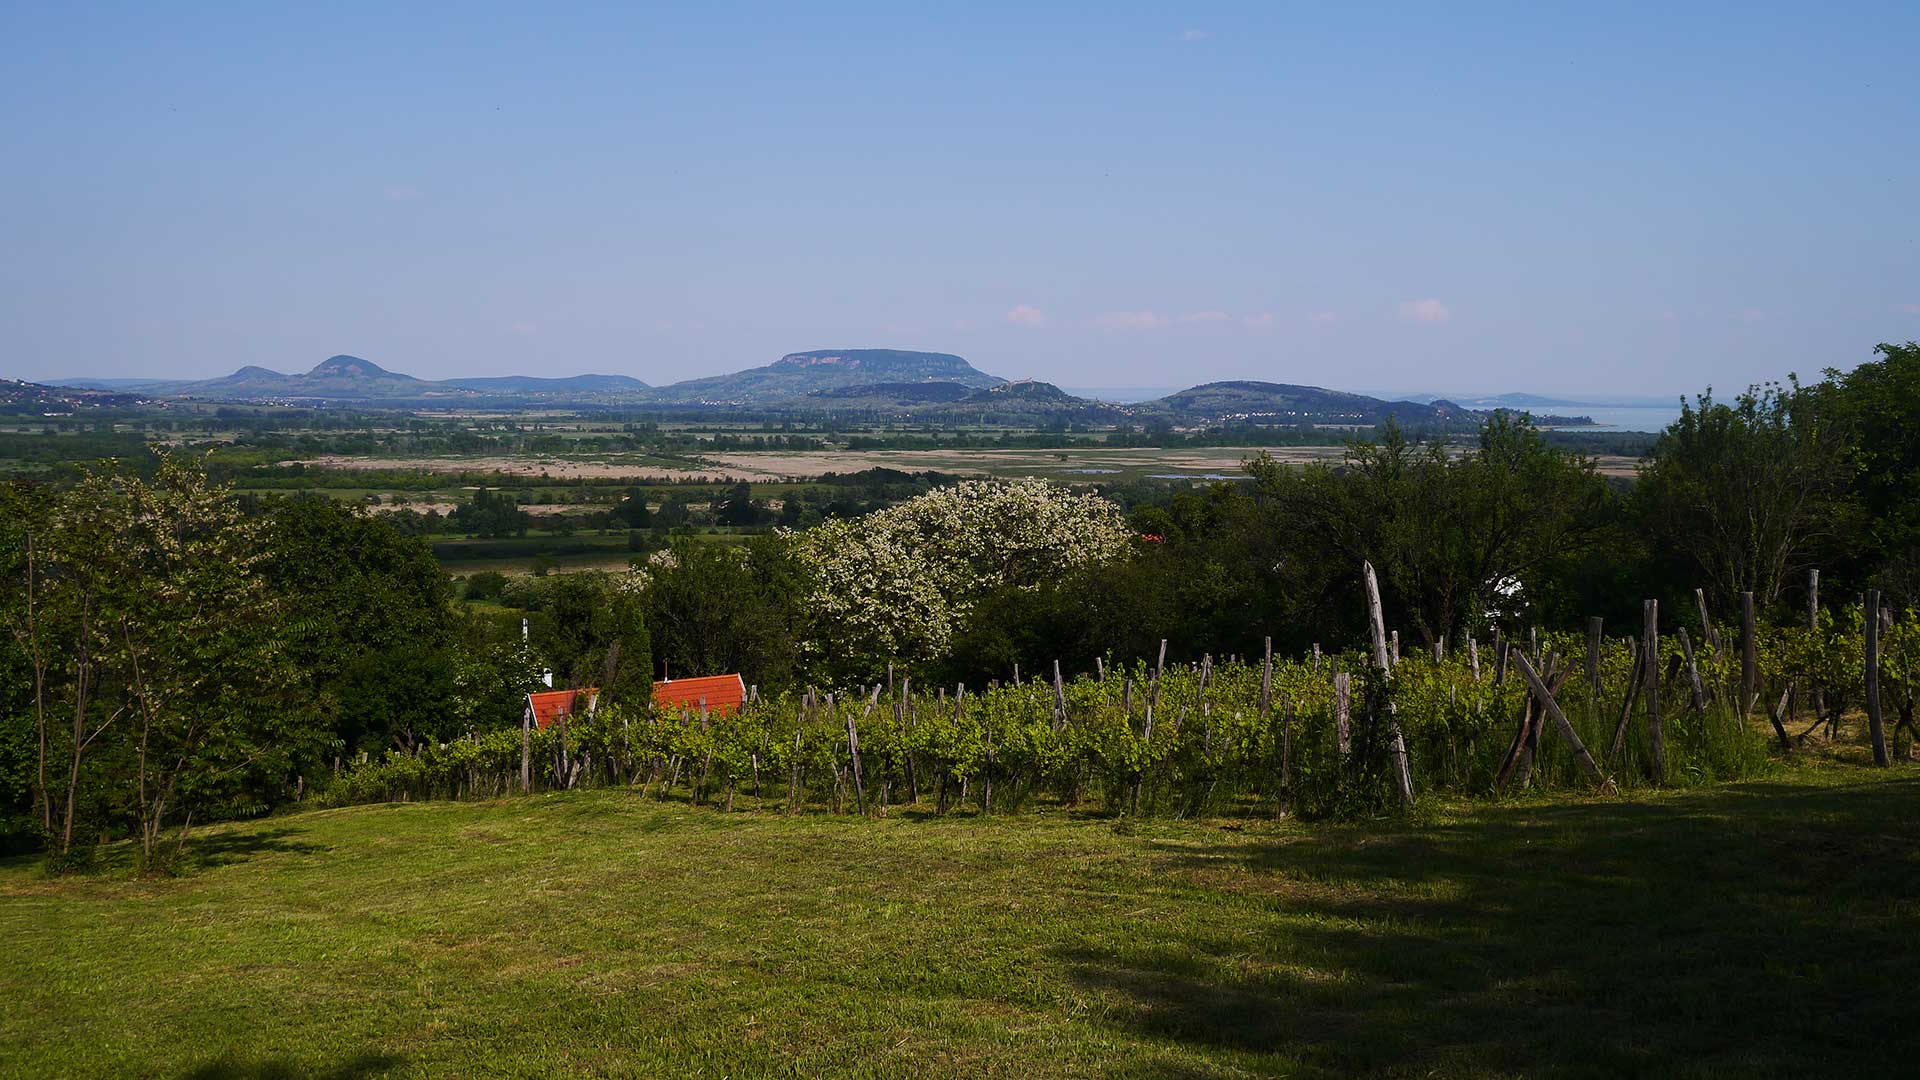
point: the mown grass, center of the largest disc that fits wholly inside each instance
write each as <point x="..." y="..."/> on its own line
<point x="1754" y="929"/>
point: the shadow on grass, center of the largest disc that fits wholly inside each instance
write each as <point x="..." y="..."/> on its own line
<point x="203" y="851"/>
<point x="233" y="846"/>
<point x="365" y="1065"/>
<point x="1761" y="929"/>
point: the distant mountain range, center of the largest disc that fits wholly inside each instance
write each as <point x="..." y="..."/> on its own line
<point x="351" y="379"/>
<point x="880" y="383"/>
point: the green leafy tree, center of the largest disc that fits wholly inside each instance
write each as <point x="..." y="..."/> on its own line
<point x="1747" y="494"/>
<point x="1459" y="540"/>
<point x="1879" y="405"/>
<point x="491" y="514"/>
<point x="716" y="608"/>
<point x="370" y="624"/>
<point x="632" y="510"/>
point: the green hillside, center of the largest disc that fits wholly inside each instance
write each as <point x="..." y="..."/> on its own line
<point x="797" y="375"/>
<point x="603" y="934"/>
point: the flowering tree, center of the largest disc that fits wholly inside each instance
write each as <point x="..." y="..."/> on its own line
<point x="899" y="582"/>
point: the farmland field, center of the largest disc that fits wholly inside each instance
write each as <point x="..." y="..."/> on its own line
<point x="1761" y="929"/>
<point x="1081" y="464"/>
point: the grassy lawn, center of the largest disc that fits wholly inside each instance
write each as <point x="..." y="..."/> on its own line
<point x="1757" y="929"/>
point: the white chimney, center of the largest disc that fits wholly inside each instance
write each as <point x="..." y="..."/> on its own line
<point x="547" y="677"/>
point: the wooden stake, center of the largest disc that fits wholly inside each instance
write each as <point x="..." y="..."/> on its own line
<point x="1711" y="631"/>
<point x="1693" y="674"/>
<point x="1552" y="707"/>
<point x="1343" y="711"/>
<point x="1595" y="626"/>
<point x="1875" y="730"/>
<point x="1650" y="670"/>
<point x="1397" y="746"/>
<point x="1059" y="699"/>
<point x="1266" y="682"/>
<point x="1749" y="656"/>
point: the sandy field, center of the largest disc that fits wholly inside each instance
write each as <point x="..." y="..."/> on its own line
<point x="1088" y="465"/>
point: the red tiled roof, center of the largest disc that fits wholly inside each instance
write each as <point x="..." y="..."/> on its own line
<point x="549" y="704"/>
<point x="722" y="693"/>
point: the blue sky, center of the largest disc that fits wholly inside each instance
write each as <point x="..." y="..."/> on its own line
<point x="1438" y="197"/>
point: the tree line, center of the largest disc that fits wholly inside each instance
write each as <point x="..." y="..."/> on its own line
<point x="173" y="657"/>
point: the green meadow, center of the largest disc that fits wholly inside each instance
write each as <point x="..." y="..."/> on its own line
<point x="1757" y="929"/>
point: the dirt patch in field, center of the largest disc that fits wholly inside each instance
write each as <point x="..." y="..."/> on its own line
<point x="557" y="468"/>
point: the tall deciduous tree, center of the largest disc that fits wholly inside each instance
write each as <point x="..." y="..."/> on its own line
<point x="369" y="624"/>
<point x="1749" y="491"/>
<point x="1879" y="403"/>
<point x="1456" y="538"/>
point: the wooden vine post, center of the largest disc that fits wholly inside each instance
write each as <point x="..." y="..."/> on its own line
<point x="1397" y="745"/>
<point x="1876" y="730"/>
<point x="1816" y="695"/>
<point x="526" y="752"/>
<point x="1059" y="700"/>
<point x="1343" y="712"/>
<point x="1650" y="670"/>
<point x="1552" y="708"/>
<point x="1595" y="627"/>
<point x="1749" y="656"/>
<point x="1711" y="632"/>
<point x="1694" y="685"/>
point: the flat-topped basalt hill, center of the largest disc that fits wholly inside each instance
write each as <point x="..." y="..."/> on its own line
<point x="889" y="383"/>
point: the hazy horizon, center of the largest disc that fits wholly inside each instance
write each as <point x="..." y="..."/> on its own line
<point x="1474" y="200"/>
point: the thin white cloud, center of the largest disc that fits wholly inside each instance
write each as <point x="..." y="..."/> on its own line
<point x="1751" y="315"/>
<point x="1425" y="311"/>
<point x="1130" y="320"/>
<point x="1262" y="321"/>
<point x="1027" y="315"/>
<point x="1193" y="35"/>
<point x="1205" y="316"/>
<point x="1324" y="318"/>
<point x="1910" y="309"/>
<point x="524" y="329"/>
<point x="403" y="194"/>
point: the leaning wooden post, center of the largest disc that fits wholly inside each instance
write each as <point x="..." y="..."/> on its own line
<point x="1711" y="632"/>
<point x="526" y="750"/>
<point x="1694" y="685"/>
<point x="1875" y="730"/>
<point x="1059" y="699"/>
<point x="1343" y="712"/>
<point x="1266" y="681"/>
<point x="1749" y="656"/>
<point x="1473" y="656"/>
<point x="1402" y="773"/>
<point x="1627" y="699"/>
<point x="1595" y="626"/>
<point x="853" y="751"/>
<point x="1816" y="695"/>
<point x="1650" y="669"/>
<point x="1545" y="697"/>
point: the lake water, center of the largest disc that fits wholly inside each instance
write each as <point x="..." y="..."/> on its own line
<point x="1624" y="418"/>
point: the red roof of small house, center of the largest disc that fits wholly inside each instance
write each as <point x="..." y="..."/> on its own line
<point x="549" y="704"/>
<point x="721" y="693"/>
